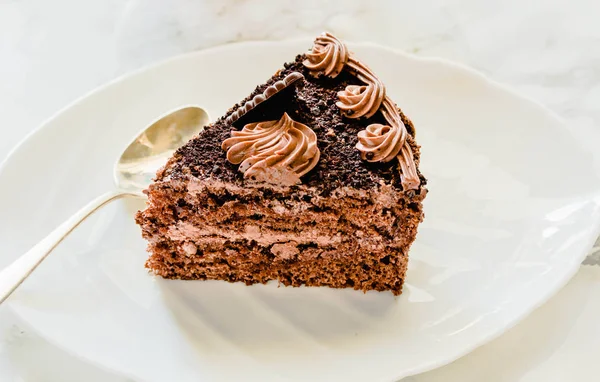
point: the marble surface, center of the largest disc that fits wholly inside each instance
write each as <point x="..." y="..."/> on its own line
<point x="53" y="52"/>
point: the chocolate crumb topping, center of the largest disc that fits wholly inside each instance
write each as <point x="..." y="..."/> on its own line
<point x="313" y="105"/>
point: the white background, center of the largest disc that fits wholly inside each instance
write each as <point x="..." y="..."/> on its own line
<point x="52" y="52"/>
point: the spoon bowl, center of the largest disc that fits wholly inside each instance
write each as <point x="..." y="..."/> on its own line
<point x="151" y="149"/>
<point x="133" y="172"/>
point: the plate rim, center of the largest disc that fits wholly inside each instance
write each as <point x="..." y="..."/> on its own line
<point x="473" y="73"/>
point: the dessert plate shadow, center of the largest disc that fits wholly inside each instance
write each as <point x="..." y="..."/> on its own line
<point x="513" y="207"/>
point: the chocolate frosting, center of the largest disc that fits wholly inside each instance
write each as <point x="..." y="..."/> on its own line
<point x="376" y="143"/>
<point x="381" y="143"/>
<point x="327" y="57"/>
<point x="361" y="100"/>
<point x="276" y="152"/>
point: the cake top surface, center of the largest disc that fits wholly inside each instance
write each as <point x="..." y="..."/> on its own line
<point x="323" y="121"/>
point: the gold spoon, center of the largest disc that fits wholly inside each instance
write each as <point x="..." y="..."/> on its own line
<point x="133" y="173"/>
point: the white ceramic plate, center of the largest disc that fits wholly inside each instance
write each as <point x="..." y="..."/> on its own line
<point x="513" y="207"/>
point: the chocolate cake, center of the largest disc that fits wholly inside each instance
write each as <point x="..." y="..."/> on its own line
<point x="311" y="180"/>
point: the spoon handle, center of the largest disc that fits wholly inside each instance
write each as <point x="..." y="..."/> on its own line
<point x="13" y="275"/>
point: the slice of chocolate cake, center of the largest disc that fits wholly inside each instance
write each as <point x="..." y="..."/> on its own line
<point x="311" y="180"/>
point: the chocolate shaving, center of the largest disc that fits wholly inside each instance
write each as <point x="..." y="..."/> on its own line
<point x="269" y="92"/>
